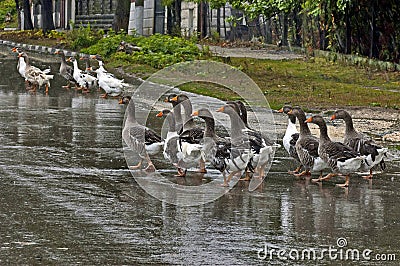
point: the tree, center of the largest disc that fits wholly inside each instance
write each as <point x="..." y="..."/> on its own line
<point x="28" y="25"/>
<point x="121" y="18"/>
<point x="47" y="15"/>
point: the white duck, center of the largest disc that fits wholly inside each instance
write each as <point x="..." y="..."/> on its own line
<point x="172" y="150"/>
<point x="84" y="80"/>
<point x="112" y="86"/>
<point x="34" y="75"/>
<point x="290" y="138"/>
<point x="21" y="65"/>
<point x="101" y="65"/>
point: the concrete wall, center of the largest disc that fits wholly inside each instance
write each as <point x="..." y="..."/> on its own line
<point x="148" y="17"/>
<point x="189" y="18"/>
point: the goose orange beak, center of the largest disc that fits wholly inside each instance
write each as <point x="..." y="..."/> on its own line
<point x="121" y="101"/>
<point x="89" y="68"/>
<point x="333" y="117"/>
<point x="221" y="109"/>
<point x="160" y="114"/>
<point x="68" y="59"/>
<point x="280" y="110"/>
<point x="290" y="112"/>
<point x="175" y="99"/>
<point x="93" y="57"/>
<point x="14" y="49"/>
<point x="309" y="120"/>
<point x="195" y="113"/>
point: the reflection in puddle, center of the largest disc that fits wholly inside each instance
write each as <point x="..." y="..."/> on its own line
<point x="67" y="196"/>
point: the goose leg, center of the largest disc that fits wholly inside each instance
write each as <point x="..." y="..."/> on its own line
<point x="262" y="171"/>
<point x="134" y="167"/>
<point x="304" y="173"/>
<point x="368" y="176"/>
<point x="346" y="183"/>
<point x="47" y="89"/>
<point x="247" y="176"/>
<point x="202" y="166"/>
<point x="295" y="171"/>
<point x="67" y="86"/>
<point x="228" y="179"/>
<point x="181" y="173"/>
<point x="225" y="184"/>
<point x="327" y="177"/>
<point x="150" y="167"/>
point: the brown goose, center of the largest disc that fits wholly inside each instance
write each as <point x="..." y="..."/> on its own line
<point x="362" y="144"/>
<point x="266" y="152"/>
<point x="177" y="111"/>
<point x="190" y="131"/>
<point x="218" y="150"/>
<point x="190" y="135"/>
<point x="66" y="71"/>
<point x="341" y="158"/>
<point x="141" y="139"/>
<point x="307" y="146"/>
<point x="250" y="146"/>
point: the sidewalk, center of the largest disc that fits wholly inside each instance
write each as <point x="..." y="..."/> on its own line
<point x="281" y="54"/>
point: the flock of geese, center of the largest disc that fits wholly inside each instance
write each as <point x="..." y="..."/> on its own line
<point x="248" y="151"/>
<point x="84" y="80"/>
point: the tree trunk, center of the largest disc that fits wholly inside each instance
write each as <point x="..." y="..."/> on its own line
<point x="297" y="26"/>
<point x="219" y="21"/>
<point x="177" y="17"/>
<point x="18" y="13"/>
<point x="47" y="15"/>
<point x="285" y="30"/>
<point x="224" y="22"/>
<point x="121" y="18"/>
<point x="348" y="30"/>
<point x="202" y="19"/>
<point x="373" y="51"/>
<point x="28" y="25"/>
<point x="170" y="19"/>
<point x="268" y="31"/>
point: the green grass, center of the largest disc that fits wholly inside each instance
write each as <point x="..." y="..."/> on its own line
<point x="210" y="89"/>
<point x="314" y="84"/>
<point x="317" y="83"/>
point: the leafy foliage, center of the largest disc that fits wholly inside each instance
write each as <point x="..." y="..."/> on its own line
<point x="83" y="37"/>
<point x="157" y="51"/>
<point x="5" y="7"/>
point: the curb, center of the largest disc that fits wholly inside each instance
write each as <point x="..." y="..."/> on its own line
<point x="40" y="48"/>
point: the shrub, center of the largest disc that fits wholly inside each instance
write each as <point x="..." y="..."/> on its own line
<point x="158" y="50"/>
<point x="109" y="44"/>
<point x="83" y="37"/>
<point x="5" y="7"/>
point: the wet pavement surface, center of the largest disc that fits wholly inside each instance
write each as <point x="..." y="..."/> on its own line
<point x="67" y="197"/>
